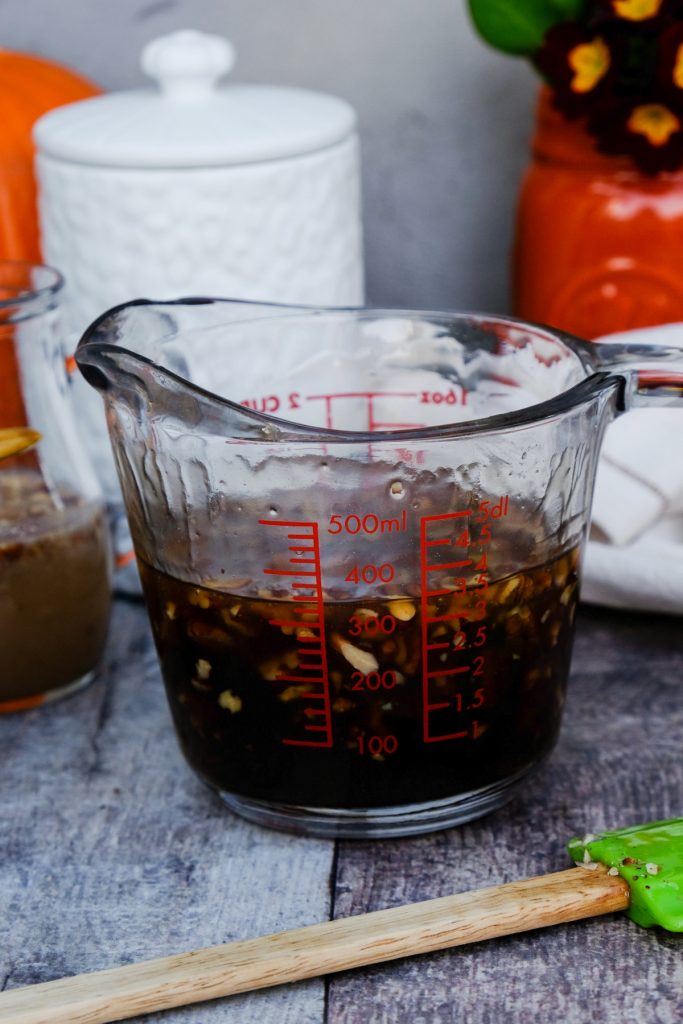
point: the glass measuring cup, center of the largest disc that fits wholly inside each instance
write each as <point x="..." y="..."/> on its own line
<point x="360" y="535"/>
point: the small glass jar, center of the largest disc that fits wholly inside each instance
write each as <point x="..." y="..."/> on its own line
<point x="55" y="579"/>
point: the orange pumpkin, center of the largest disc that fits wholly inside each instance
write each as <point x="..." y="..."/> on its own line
<point x="29" y="87"/>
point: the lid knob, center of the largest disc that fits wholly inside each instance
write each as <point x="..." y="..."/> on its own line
<point x="188" y="64"/>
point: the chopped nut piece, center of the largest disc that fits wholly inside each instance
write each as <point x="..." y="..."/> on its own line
<point x="203" y="669"/>
<point x="653" y="869"/>
<point x="403" y="610"/>
<point x="561" y="573"/>
<point x="202" y="631"/>
<point x="293" y="692"/>
<point x="509" y="589"/>
<point x="273" y="668"/>
<point x="365" y="613"/>
<point x="230" y="702"/>
<point x="362" y="660"/>
<point x="342" y="704"/>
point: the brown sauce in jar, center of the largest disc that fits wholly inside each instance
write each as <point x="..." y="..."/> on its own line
<point x="54" y="588"/>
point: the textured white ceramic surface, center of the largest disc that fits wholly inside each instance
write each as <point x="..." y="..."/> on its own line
<point x="281" y="231"/>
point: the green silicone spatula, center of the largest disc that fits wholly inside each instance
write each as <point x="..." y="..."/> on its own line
<point x="637" y="869"/>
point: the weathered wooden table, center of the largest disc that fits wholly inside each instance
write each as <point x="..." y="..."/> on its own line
<point x="111" y="851"/>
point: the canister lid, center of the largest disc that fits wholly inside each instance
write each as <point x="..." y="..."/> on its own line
<point x="191" y="121"/>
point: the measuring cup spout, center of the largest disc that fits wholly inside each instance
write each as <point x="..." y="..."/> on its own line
<point x="143" y="332"/>
<point x="164" y="358"/>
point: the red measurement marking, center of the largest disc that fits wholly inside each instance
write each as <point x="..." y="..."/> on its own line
<point x="369" y="396"/>
<point x="447" y="515"/>
<point x="430" y="707"/>
<point x="447" y="672"/>
<point x="312" y="605"/>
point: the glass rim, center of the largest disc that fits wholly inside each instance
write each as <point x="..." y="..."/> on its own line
<point x="596" y="381"/>
<point x="53" y="284"/>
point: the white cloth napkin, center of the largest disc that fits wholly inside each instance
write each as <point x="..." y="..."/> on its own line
<point x="634" y="558"/>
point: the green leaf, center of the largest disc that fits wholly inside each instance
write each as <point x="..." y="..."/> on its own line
<point x="568" y="10"/>
<point x="518" y="26"/>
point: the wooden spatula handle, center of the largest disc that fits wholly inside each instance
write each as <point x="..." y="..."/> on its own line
<point x="124" y="992"/>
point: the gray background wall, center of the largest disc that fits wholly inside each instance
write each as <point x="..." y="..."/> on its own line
<point x="444" y="120"/>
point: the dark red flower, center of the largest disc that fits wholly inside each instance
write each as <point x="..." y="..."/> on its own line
<point x="636" y="10"/>
<point x="578" y="65"/>
<point x="670" y="63"/>
<point x="650" y="132"/>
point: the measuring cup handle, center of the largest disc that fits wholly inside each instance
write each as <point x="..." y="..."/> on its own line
<point x="653" y="374"/>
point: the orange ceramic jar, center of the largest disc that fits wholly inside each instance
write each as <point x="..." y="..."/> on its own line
<point x="599" y="246"/>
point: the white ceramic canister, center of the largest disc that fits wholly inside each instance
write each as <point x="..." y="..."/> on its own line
<point x="191" y="188"/>
<point x="246" y="191"/>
